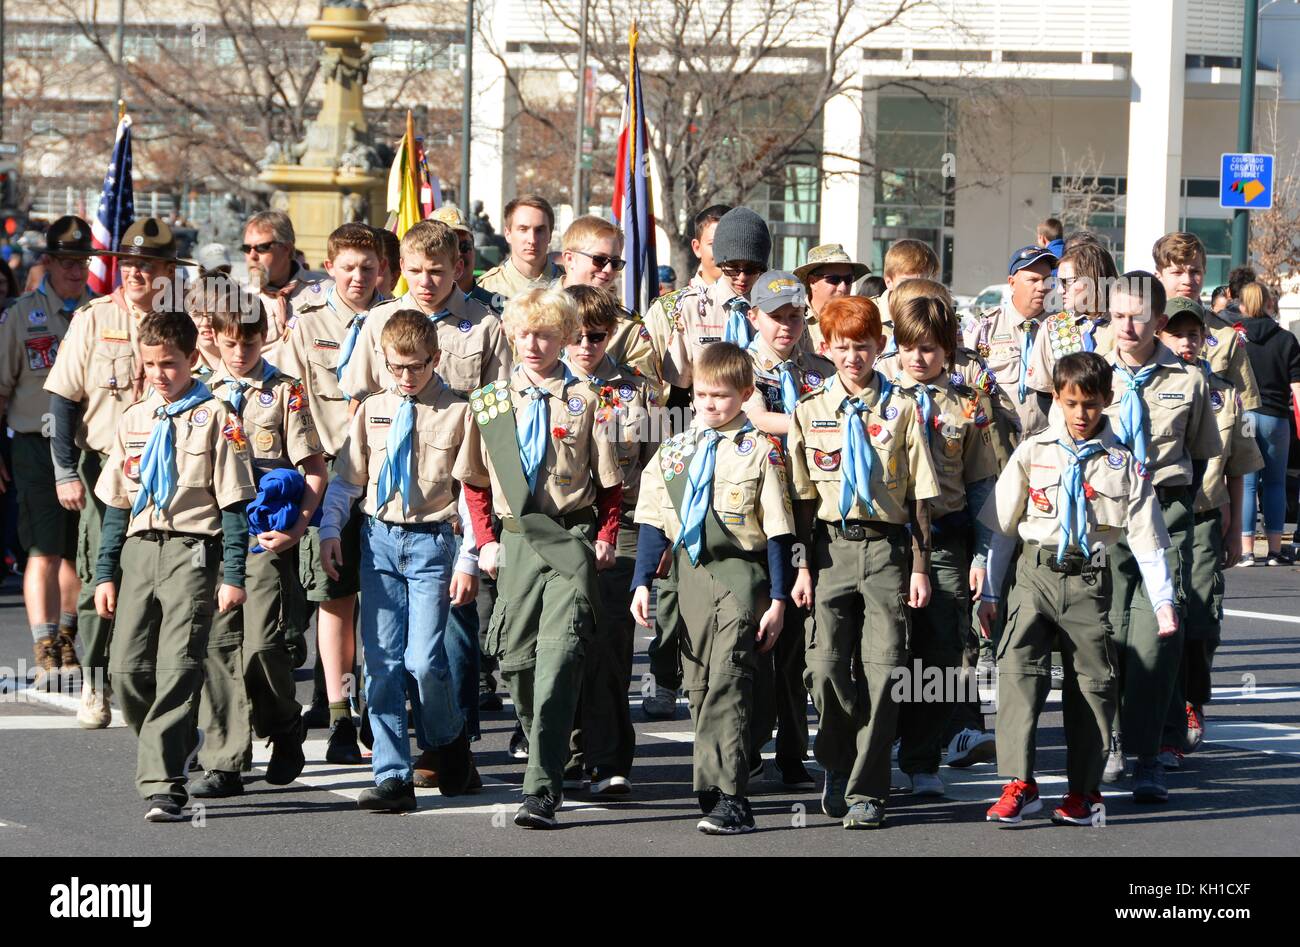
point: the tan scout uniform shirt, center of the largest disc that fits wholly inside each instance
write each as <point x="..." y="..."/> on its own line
<point x="903" y="470"/>
<point x="751" y="495"/>
<point x="505" y="279"/>
<point x="473" y="344"/>
<point x="280" y="305"/>
<point x="576" y="461"/>
<point x="631" y="345"/>
<point x="681" y="324"/>
<point x="30" y="332"/>
<point x="810" y="372"/>
<point x="1182" y="425"/>
<point x="995" y="337"/>
<point x="213" y="467"/>
<point x="1240" y="454"/>
<point x="311" y="353"/>
<point x="1060" y="335"/>
<point x="624" y="402"/>
<point x="961" y="447"/>
<point x="1026" y="500"/>
<point x="439" y="453"/>
<point x="1226" y="352"/>
<point x="97" y="365"/>
<point x="276" y="419"/>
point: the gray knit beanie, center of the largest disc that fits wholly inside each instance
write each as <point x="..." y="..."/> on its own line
<point x="741" y="235"/>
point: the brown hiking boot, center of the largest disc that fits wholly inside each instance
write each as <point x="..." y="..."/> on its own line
<point x="425" y="771"/>
<point x="66" y="641"/>
<point x="45" y="656"/>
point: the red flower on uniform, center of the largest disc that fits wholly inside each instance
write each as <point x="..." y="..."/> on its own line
<point x="560" y="432"/>
<point x="874" y="430"/>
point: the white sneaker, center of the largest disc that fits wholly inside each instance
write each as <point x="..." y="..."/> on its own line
<point x="972" y="746"/>
<point x="95" y="712"/>
<point x="611" y="786"/>
<point x="927" y="784"/>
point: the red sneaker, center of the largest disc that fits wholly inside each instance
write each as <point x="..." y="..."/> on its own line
<point x="1019" y="799"/>
<point x="1195" y="728"/>
<point x="1076" y="808"/>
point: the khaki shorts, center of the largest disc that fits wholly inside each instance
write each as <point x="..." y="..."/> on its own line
<point x="44" y="527"/>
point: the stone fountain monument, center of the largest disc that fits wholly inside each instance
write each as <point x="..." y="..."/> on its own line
<point x="333" y="175"/>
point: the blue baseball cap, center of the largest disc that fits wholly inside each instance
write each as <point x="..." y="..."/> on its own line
<point x="1028" y="256"/>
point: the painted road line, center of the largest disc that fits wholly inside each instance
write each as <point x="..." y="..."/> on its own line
<point x="42" y="722"/>
<point x="53" y="699"/>
<point x="1261" y="616"/>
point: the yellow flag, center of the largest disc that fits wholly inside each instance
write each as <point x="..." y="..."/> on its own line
<point x="403" y="204"/>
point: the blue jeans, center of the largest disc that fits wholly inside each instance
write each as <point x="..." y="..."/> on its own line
<point x="405" y="600"/>
<point x="461" y="643"/>
<point x="1274" y="439"/>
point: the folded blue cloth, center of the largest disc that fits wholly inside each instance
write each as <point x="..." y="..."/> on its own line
<point x="278" y="503"/>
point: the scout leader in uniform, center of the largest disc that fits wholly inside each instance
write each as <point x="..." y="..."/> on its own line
<point x="95" y="379"/>
<point x="175" y="486"/>
<point x="604" y="741"/>
<point x="1068" y="491"/>
<point x="784" y="371"/>
<point x="406" y="449"/>
<point x="557" y="488"/>
<point x="861" y="473"/>
<point x="1161" y="411"/>
<point x="827" y="273"/>
<point x="1004" y="336"/>
<point x="274" y="272"/>
<point x="323" y="336"/>
<point x="248" y="671"/>
<point x="718" y="493"/>
<point x="529" y="225"/>
<point x="955" y="421"/>
<point x="1216" y="522"/>
<point x="30" y="332"/>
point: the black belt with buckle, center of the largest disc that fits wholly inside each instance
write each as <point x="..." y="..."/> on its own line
<point x="858" y="531"/>
<point x="1072" y="564"/>
<point x="413" y="527"/>
<point x="162" y="535"/>
<point x="1171" y="494"/>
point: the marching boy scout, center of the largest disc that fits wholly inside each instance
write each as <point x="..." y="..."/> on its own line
<point x="1161" y="411"/>
<point x="175" y="486"/>
<point x="95" y="379"/>
<point x="784" y="371"/>
<point x="557" y="488"/>
<point x="30" y="332"/>
<point x="405" y="450"/>
<point x="604" y="741"/>
<point x="1067" y="490"/>
<point x="955" y="421"/>
<point x="718" y="493"/>
<point x="861" y="473"/>
<point x="323" y="336"/>
<point x="248" y="671"/>
<point x="1217" y="512"/>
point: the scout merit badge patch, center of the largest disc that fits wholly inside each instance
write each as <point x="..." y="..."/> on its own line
<point x="131" y="467"/>
<point x="41" y="352"/>
<point x="1038" y="497"/>
<point x="826" y="460"/>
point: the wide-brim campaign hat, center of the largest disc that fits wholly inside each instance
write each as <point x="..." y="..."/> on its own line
<point x="825" y="255"/>
<point x="149" y="239"/>
<point x="69" y="236"/>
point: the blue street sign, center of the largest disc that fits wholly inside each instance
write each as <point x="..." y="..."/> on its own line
<point x="1246" y="181"/>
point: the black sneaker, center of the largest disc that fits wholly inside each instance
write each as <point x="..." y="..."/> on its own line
<point x="537" y="812"/>
<point x="708" y="798"/>
<point x="454" y="764"/>
<point x="794" y="775"/>
<point x="1149" y="783"/>
<point x="392" y="795"/>
<point x="865" y="815"/>
<point x="163" y="808"/>
<point x="217" y="784"/>
<point x="730" y="816"/>
<point x="1280" y="559"/>
<point x="489" y="701"/>
<point x="317" y="715"/>
<point x="287" y="759"/>
<point x="575" y="777"/>
<point x="834" y="804"/>
<point x="342" y="747"/>
<point x="519" y="743"/>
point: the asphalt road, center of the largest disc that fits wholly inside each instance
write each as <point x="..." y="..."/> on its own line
<point x="66" y="791"/>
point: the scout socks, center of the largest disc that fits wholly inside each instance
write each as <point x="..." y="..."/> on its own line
<point x="68" y="621"/>
<point x="338" y="710"/>
<point x="44" y="630"/>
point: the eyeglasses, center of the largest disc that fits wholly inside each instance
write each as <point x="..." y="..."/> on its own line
<point x="834" y="279"/>
<point x="145" y="266"/>
<point x="603" y="261"/>
<point x="258" y="247"/>
<point x="397" y="370"/>
<point x="739" y="269"/>
<point x="466" y="246"/>
<point x="593" y="338"/>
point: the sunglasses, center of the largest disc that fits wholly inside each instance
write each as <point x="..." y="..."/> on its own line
<point x="397" y="370"/>
<point x="835" y="279"/>
<point x="601" y="261"/>
<point x="593" y="338"/>
<point x="747" y="269"/>
<point x="258" y="247"/>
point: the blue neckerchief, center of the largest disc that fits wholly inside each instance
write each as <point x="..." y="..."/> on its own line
<point x="859" y="458"/>
<point x="785" y="372"/>
<point x="737" y="329"/>
<point x="158" y="462"/>
<point x="355" y="325"/>
<point x="532" y="440"/>
<point x="1073" y="513"/>
<point x="1026" y="344"/>
<point x="1134" y="424"/>
<point x="395" y="474"/>
<point x="241" y="385"/>
<point x="699" y="491"/>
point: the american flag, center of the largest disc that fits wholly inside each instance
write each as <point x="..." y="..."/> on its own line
<point x="115" y="213"/>
<point x="633" y="198"/>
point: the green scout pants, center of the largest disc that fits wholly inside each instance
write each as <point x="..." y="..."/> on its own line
<point x="717" y="653"/>
<point x="939" y="634"/>
<point x="780" y="697"/>
<point x="1203" y="619"/>
<point x="539" y="630"/>
<point x="95" y="632"/>
<point x="164" y="615"/>
<point x="45" y="528"/>
<point x="248" y="681"/>
<point x="1047" y="610"/>
<point x="665" y="650"/>
<point x="603" y="734"/>
<point x="856" y="643"/>
<point x="1148" y="664"/>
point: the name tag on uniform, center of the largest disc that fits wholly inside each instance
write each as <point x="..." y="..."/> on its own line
<point x="1172" y="396"/>
<point x="324" y="344"/>
<point x="706" y="339"/>
<point x="831" y="425"/>
<point x="381" y="420"/>
<point x="1002" y="337"/>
